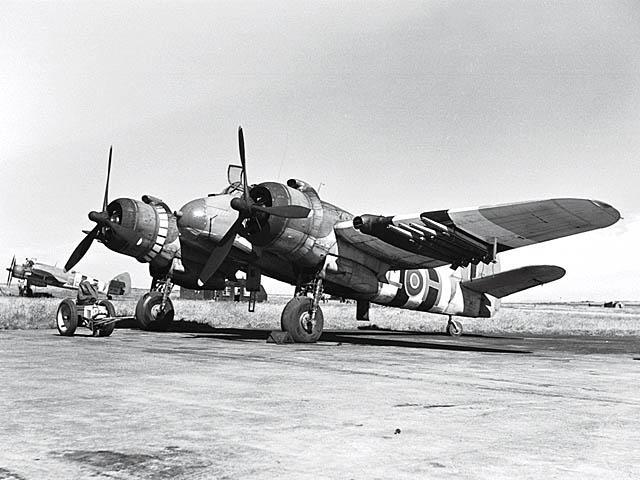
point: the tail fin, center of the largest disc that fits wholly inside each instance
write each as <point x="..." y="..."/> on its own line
<point x="120" y="285"/>
<point x="512" y="281"/>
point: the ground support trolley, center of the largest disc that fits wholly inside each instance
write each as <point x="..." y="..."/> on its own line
<point x="99" y="317"/>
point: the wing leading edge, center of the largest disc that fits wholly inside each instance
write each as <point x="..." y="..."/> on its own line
<point x="471" y="235"/>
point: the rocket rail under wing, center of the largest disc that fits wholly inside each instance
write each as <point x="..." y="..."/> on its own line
<point x="471" y="235"/>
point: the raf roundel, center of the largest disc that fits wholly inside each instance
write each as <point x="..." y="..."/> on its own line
<point x="414" y="282"/>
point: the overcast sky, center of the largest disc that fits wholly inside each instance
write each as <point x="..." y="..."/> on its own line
<point x="394" y="107"/>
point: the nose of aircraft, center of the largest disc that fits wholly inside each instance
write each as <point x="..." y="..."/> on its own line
<point x="192" y="218"/>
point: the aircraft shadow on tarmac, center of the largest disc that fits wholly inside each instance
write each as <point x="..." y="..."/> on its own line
<point x="378" y="338"/>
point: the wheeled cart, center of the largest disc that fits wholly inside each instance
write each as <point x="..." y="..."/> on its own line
<point x="99" y="317"/>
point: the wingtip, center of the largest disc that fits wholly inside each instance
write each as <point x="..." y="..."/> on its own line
<point x="611" y="211"/>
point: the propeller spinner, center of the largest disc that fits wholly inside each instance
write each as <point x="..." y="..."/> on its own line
<point x="247" y="208"/>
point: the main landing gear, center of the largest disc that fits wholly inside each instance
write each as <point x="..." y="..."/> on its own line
<point x="25" y="291"/>
<point x="154" y="310"/>
<point x="302" y="316"/>
<point x="454" y="327"/>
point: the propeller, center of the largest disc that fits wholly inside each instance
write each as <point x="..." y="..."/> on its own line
<point x="220" y="252"/>
<point x="103" y="221"/>
<point x="105" y="202"/>
<point x="82" y="248"/>
<point x="247" y="208"/>
<point x="10" y="276"/>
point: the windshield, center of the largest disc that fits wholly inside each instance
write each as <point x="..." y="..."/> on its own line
<point x="234" y="174"/>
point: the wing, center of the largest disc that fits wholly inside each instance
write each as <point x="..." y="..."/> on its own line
<point x="471" y="235"/>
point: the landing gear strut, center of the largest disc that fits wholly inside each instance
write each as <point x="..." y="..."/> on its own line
<point x="454" y="327"/>
<point x="302" y="316"/>
<point x="154" y="310"/>
<point x="25" y="291"/>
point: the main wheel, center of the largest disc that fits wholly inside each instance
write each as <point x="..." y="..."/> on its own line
<point x="149" y="312"/>
<point x="454" y="328"/>
<point x="67" y="317"/>
<point x="296" y="319"/>
<point x="106" y="329"/>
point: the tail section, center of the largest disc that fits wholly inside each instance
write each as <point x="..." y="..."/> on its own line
<point x="120" y="285"/>
<point x="512" y="281"/>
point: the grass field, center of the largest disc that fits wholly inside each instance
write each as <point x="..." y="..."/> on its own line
<point x="538" y="319"/>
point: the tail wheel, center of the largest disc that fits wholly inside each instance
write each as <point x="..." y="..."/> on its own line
<point x="67" y="318"/>
<point x="454" y="328"/>
<point x="296" y="319"/>
<point x="149" y="312"/>
<point x="106" y="329"/>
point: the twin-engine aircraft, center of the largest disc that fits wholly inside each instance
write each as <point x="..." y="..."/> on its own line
<point x="35" y="274"/>
<point x="441" y="261"/>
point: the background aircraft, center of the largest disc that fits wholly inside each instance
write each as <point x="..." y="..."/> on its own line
<point x="36" y="274"/>
<point x="443" y="261"/>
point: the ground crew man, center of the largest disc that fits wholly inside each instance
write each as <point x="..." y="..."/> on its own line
<point x="87" y="293"/>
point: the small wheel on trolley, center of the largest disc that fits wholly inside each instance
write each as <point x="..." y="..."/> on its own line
<point x="67" y="317"/>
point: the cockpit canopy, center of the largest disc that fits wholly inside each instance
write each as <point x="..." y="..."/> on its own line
<point x="236" y="184"/>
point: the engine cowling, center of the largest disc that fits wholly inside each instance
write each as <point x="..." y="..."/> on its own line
<point x="306" y="241"/>
<point x="154" y="225"/>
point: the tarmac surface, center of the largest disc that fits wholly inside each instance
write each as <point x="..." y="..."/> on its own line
<point x="204" y="403"/>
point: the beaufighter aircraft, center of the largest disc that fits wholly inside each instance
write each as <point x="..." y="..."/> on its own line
<point x="34" y="274"/>
<point x="441" y="261"/>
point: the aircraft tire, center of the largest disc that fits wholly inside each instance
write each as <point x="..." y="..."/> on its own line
<point x="106" y="329"/>
<point x="295" y="318"/>
<point x="454" y="328"/>
<point x="148" y="313"/>
<point x="67" y="318"/>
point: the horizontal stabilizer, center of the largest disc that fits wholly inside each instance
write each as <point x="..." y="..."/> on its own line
<point x="512" y="281"/>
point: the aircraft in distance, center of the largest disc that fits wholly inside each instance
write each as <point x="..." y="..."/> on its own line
<point x="34" y="274"/>
<point x="441" y="261"/>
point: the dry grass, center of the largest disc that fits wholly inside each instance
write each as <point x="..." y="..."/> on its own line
<point x="27" y="313"/>
<point x="563" y="319"/>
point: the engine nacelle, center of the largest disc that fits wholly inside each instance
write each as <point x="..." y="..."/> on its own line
<point x="306" y="241"/>
<point x="154" y="225"/>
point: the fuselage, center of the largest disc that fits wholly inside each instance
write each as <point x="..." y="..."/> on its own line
<point x="288" y="249"/>
<point x="43" y="275"/>
<point x="292" y="250"/>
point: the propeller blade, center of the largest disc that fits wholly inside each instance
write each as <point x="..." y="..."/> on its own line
<point x="219" y="254"/>
<point x="106" y="187"/>
<point x="82" y="248"/>
<point x="10" y="276"/>
<point x="285" y="211"/>
<point x="243" y="162"/>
